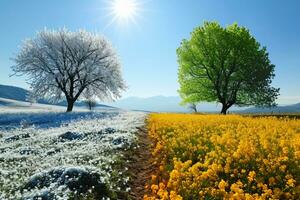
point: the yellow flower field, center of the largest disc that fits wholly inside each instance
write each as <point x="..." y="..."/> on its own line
<point x="231" y="157"/>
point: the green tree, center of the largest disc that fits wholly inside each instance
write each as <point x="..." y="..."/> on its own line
<point x="225" y="65"/>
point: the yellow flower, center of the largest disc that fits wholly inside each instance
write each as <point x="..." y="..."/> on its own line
<point x="154" y="188"/>
<point x="199" y="155"/>
<point x="282" y="168"/>
<point x="174" y="196"/>
<point x="153" y="178"/>
<point x="272" y="180"/>
<point x="291" y="182"/>
<point x="222" y="185"/>
<point x="251" y="176"/>
<point x="235" y="187"/>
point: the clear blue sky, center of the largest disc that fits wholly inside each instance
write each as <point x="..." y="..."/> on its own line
<point x="148" y="48"/>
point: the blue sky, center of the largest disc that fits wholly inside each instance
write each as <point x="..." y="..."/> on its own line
<point x="147" y="48"/>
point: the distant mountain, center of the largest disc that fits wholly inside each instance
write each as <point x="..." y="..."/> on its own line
<point x="152" y="104"/>
<point x="12" y="92"/>
<point x="20" y="94"/>
<point x="161" y="104"/>
<point x="279" y="109"/>
<point x="172" y="104"/>
<point x="16" y="93"/>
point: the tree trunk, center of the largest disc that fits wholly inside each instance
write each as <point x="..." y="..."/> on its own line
<point x="70" y="105"/>
<point x="224" y="109"/>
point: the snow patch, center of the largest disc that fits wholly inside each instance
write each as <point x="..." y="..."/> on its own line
<point x="84" y="147"/>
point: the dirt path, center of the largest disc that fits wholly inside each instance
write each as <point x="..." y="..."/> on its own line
<point x="141" y="166"/>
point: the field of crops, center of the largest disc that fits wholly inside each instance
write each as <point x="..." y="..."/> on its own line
<point x="216" y="157"/>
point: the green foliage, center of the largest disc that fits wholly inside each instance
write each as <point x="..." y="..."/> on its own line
<point x="225" y="65"/>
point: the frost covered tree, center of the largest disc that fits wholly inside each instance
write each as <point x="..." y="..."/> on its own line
<point x="69" y="64"/>
<point x="30" y="98"/>
<point x="90" y="103"/>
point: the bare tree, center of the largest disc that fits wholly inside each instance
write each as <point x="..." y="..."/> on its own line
<point x="91" y="103"/>
<point x="68" y="64"/>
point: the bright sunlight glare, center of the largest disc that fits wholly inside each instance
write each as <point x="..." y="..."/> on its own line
<point x="124" y="10"/>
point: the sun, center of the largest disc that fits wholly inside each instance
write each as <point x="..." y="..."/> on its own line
<point x="124" y="11"/>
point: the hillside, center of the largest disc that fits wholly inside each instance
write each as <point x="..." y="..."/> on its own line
<point x="172" y="104"/>
<point x="12" y="92"/>
<point x="19" y="94"/>
<point x="153" y="104"/>
<point x="279" y="109"/>
<point x="164" y="104"/>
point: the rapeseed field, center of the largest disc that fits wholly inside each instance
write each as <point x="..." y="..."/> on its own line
<point x="224" y="157"/>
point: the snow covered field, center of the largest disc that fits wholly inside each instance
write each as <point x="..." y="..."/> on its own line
<point x="57" y="155"/>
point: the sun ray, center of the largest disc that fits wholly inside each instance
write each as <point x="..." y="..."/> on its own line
<point x="123" y="12"/>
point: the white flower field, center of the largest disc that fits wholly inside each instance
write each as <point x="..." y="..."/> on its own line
<point x="60" y="155"/>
